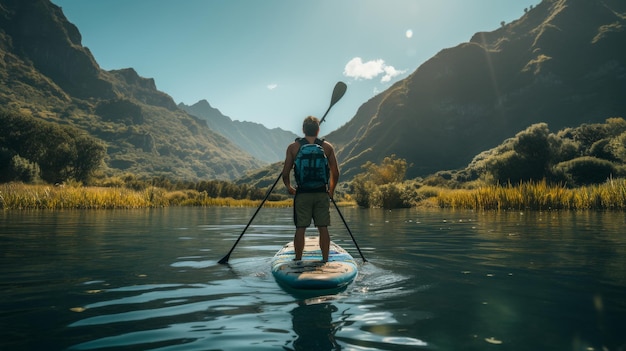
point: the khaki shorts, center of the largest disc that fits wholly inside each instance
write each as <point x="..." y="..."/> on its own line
<point x="315" y="206"/>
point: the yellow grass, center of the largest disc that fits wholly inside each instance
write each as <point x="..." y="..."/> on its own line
<point x="23" y="196"/>
<point x="537" y="196"/>
<point x="525" y="196"/>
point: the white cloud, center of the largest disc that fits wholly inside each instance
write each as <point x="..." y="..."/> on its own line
<point x="358" y="69"/>
<point x="272" y="86"/>
<point x="390" y="72"/>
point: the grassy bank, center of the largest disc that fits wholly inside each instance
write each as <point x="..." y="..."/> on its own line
<point x="23" y="196"/>
<point x="537" y="196"/>
<point x="526" y="196"/>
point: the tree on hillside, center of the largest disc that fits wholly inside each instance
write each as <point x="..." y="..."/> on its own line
<point x="60" y="152"/>
<point x="391" y="170"/>
<point x="16" y="168"/>
<point x="121" y="111"/>
<point x="89" y="156"/>
<point x="382" y="185"/>
<point x="581" y="155"/>
<point x="529" y="158"/>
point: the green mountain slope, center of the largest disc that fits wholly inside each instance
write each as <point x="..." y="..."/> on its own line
<point x="563" y="63"/>
<point x="45" y="72"/>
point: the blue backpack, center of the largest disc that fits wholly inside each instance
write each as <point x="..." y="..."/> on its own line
<point x="311" y="166"/>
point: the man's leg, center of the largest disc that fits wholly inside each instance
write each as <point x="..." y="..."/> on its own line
<point x="298" y="242"/>
<point x="324" y="242"/>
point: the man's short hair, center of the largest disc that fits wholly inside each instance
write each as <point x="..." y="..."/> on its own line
<point x="311" y="126"/>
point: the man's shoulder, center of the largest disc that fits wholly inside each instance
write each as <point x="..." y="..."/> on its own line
<point x="295" y="146"/>
<point x="327" y="144"/>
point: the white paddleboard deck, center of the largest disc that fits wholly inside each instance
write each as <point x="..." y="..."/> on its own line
<point x="311" y="272"/>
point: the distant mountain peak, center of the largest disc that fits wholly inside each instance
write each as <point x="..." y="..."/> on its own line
<point x="265" y="144"/>
<point x="202" y="103"/>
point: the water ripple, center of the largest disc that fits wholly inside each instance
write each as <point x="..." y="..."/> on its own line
<point x="156" y="285"/>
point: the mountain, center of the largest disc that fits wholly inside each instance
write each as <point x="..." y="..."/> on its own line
<point x="46" y="73"/>
<point x="563" y="62"/>
<point x="264" y="144"/>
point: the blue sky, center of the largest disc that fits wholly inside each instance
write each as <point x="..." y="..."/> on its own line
<point x="276" y="61"/>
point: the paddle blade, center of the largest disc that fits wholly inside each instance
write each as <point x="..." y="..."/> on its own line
<point x="338" y="91"/>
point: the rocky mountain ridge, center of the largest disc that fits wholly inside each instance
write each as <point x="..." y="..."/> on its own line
<point x="563" y="62"/>
<point x="267" y="145"/>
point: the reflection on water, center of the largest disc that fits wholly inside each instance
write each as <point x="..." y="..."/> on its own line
<point x="313" y="323"/>
<point x="437" y="280"/>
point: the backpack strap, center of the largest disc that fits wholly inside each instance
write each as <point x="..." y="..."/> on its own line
<point x="303" y="141"/>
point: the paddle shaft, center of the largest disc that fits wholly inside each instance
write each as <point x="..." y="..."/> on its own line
<point x="338" y="91"/>
<point x="224" y="260"/>
<point x="348" y="228"/>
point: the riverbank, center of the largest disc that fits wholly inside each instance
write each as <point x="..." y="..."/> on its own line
<point x="527" y="196"/>
<point x="539" y="196"/>
<point x="18" y="196"/>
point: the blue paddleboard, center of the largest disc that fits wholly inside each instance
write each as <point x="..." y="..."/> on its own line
<point x="311" y="272"/>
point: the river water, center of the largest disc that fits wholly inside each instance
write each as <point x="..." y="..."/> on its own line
<point x="434" y="280"/>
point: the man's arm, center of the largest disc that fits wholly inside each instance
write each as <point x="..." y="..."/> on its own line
<point x="334" y="167"/>
<point x="288" y="166"/>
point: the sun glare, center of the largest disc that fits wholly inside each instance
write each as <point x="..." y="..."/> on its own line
<point x="409" y="33"/>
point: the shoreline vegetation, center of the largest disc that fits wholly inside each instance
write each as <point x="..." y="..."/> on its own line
<point x="539" y="196"/>
<point x="576" y="168"/>
<point x="20" y="196"/>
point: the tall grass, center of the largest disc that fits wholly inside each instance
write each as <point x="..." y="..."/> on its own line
<point x="524" y="196"/>
<point x="23" y="196"/>
<point x="537" y="196"/>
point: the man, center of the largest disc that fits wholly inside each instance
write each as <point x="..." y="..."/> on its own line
<point x="311" y="203"/>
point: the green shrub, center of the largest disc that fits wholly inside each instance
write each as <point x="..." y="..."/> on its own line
<point x="13" y="167"/>
<point x="382" y="185"/>
<point x="602" y="149"/>
<point x="24" y="170"/>
<point x="61" y="152"/>
<point x="362" y="190"/>
<point x="587" y="170"/>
